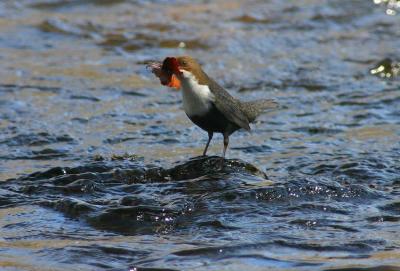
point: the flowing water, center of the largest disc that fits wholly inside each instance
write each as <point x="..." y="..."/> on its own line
<point x="96" y="157"/>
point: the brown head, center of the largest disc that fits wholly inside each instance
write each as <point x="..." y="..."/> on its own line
<point x="174" y="66"/>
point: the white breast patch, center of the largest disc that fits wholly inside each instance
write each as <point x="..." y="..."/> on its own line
<point x="196" y="98"/>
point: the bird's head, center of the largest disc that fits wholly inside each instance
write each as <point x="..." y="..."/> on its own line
<point x="178" y="68"/>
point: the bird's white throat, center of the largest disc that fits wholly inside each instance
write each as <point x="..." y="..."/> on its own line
<point x="197" y="99"/>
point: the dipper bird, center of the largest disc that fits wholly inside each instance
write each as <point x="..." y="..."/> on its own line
<point x="206" y="103"/>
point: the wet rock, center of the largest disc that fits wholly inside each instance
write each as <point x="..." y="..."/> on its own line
<point x="201" y="166"/>
<point x="9" y="197"/>
<point x="61" y="26"/>
<point x="352" y="246"/>
<point x="82" y="97"/>
<point x="393" y="208"/>
<point x="386" y="68"/>
<point x="65" y="175"/>
<point x="311" y="189"/>
<point x="81" y="186"/>
<point x="317" y="130"/>
<point x="133" y="219"/>
<point x="383" y="218"/>
<point x="130" y="201"/>
<point x="248" y="19"/>
<point x="392" y="6"/>
<point x="192" y="169"/>
<point x="39" y="139"/>
<point x="125" y="156"/>
<point x="119" y="196"/>
<point x="56" y="171"/>
<point x="47" y="153"/>
<point x="114" y="39"/>
<point x="70" y="178"/>
<point x="159" y="27"/>
<point x="70" y="206"/>
<point x="55" y="5"/>
<point x="142" y="40"/>
<point x="129" y="176"/>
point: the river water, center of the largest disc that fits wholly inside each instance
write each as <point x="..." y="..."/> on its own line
<point x="98" y="166"/>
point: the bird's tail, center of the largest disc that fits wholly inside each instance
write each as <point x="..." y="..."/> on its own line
<point x="253" y="109"/>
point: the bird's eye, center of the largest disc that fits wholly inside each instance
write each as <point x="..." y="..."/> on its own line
<point x="184" y="63"/>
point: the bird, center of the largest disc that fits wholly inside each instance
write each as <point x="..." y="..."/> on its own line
<point x="205" y="102"/>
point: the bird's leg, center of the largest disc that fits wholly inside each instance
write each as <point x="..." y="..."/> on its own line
<point x="226" y="142"/>
<point x="210" y="136"/>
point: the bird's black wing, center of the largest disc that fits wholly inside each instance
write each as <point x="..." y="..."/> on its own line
<point x="228" y="105"/>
